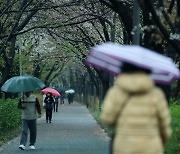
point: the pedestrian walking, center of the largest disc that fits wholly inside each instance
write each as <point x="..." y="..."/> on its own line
<point x="43" y="97"/>
<point x="29" y="106"/>
<point x="49" y="101"/>
<point x="70" y="98"/>
<point x="56" y="101"/>
<point x="62" y="98"/>
<point x="138" y="111"/>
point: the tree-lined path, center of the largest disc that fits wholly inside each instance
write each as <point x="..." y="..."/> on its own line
<point x="72" y="131"/>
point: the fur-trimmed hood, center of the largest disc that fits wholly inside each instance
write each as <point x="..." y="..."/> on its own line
<point x="134" y="83"/>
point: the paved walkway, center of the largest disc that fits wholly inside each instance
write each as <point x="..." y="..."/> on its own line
<point x="72" y="131"/>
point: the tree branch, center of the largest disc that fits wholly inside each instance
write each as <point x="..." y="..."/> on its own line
<point x="162" y="29"/>
<point x="47" y="26"/>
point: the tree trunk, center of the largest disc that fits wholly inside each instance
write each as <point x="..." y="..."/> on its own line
<point x="105" y="83"/>
<point x="46" y="81"/>
<point x="177" y="90"/>
<point x="9" y="61"/>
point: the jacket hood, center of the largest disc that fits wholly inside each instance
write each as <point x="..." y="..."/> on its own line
<point x="135" y="82"/>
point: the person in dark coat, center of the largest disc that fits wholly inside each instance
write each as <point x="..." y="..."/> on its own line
<point x="62" y="98"/>
<point x="70" y="98"/>
<point x="49" y="101"/>
<point x="56" y="101"/>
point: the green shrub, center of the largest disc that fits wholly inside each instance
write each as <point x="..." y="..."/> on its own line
<point x="10" y="119"/>
<point x="174" y="101"/>
<point x="173" y="145"/>
<point x="9" y="114"/>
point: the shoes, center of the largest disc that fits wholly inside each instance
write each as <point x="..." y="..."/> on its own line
<point x="47" y="121"/>
<point x="32" y="147"/>
<point x="22" y="147"/>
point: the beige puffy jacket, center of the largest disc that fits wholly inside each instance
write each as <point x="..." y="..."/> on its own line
<point x="143" y="126"/>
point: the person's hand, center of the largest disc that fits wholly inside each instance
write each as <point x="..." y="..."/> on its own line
<point x="23" y="106"/>
<point x="39" y="115"/>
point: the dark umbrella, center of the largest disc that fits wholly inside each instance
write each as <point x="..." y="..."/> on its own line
<point x="61" y="89"/>
<point x="22" y="84"/>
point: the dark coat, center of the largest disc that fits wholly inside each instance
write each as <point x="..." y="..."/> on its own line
<point x="49" y="100"/>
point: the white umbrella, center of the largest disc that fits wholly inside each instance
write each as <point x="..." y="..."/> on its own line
<point x="71" y="91"/>
<point x="110" y="56"/>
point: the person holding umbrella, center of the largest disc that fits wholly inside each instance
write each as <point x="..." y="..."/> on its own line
<point x="70" y="95"/>
<point x="56" y="102"/>
<point x="49" y="101"/>
<point x="139" y="112"/>
<point x="61" y="90"/>
<point x="29" y="104"/>
<point x="62" y="98"/>
<point x="135" y="106"/>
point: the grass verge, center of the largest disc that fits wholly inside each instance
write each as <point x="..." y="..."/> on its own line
<point x="173" y="145"/>
<point x="6" y="136"/>
<point x="96" y="115"/>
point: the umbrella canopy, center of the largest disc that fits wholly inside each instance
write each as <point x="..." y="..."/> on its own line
<point x="110" y="56"/>
<point x="70" y="91"/>
<point x="61" y="89"/>
<point x="22" y="84"/>
<point x="52" y="91"/>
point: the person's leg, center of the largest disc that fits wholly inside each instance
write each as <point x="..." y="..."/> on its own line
<point x="24" y="134"/>
<point x="57" y="107"/>
<point x="33" y="131"/>
<point x="69" y="100"/>
<point x="46" y="115"/>
<point x="50" y="115"/>
<point x="54" y="106"/>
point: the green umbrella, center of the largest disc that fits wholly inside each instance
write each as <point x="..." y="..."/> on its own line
<point x="22" y="84"/>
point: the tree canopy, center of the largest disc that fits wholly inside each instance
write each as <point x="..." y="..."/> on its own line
<point x="55" y="36"/>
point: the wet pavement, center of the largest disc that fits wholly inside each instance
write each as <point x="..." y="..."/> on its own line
<point x="72" y="131"/>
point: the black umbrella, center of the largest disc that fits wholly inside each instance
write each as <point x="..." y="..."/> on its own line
<point x="61" y="89"/>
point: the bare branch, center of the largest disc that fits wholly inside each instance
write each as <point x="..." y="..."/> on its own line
<point x="48" y="26"/>
<point x="160" y="25"/>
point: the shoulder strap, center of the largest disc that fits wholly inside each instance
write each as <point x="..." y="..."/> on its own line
<point x="123" y="105"/>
